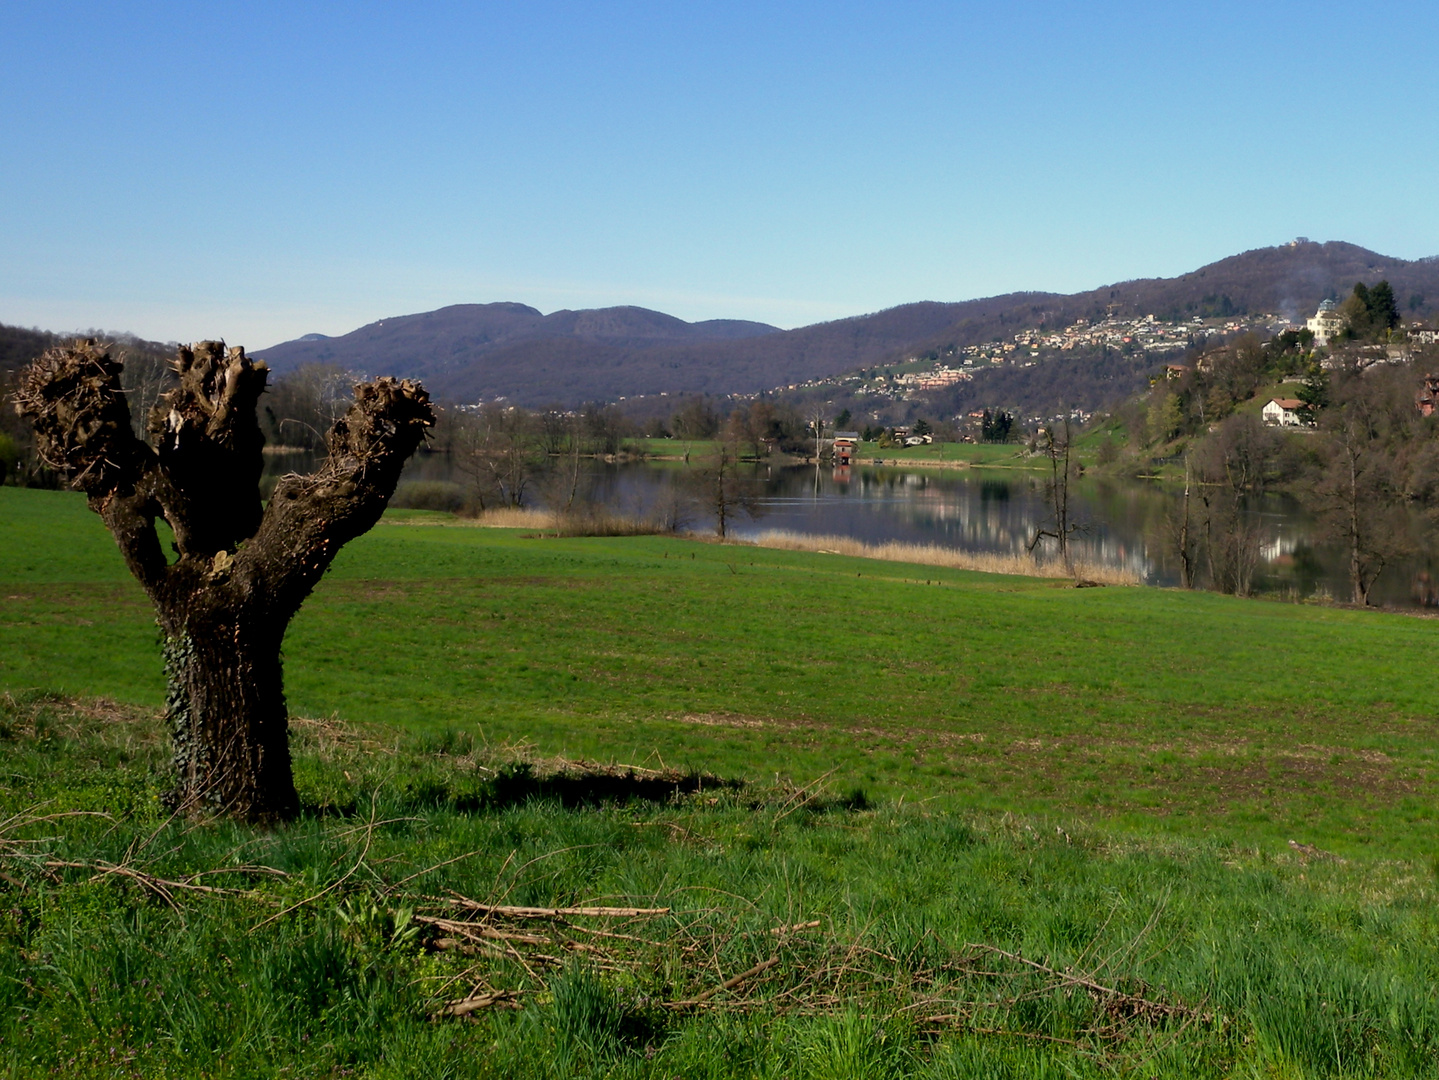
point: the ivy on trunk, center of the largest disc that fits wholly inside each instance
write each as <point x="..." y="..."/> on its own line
<point x="240" y="568"/>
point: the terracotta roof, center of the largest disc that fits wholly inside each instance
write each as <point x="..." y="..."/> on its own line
<point x="1287" y="402"/>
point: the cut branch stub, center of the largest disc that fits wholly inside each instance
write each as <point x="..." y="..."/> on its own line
<point x="72" y="396"/>
<point x="310" y="517"/>
<point x="210" y="447"/>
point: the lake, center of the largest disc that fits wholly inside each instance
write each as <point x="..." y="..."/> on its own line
<point x="1125" y="522"/>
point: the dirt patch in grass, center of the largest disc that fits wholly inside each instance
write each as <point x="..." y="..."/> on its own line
<point x="729" y="720"/>
<point x="1293" y="774"/>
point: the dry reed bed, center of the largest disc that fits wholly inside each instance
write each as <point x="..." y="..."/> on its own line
<point x="934" y="555"/>
<point x="985" y="562"/>
<point x="513" y="517"/>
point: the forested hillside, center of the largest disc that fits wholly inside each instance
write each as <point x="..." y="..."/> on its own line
<point x="472" y="352"/>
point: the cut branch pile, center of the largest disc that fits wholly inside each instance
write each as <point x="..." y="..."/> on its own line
<point x="691" y="959"/>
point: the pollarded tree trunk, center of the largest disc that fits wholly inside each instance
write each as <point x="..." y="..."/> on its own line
<point x="227" y="716"/>
<point x="242" y="567"/>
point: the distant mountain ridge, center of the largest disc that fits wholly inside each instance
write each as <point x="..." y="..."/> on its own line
<point x="469" y="352"/>
<point x="440" y="339"/>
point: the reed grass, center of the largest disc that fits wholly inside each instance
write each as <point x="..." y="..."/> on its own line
<point x="985" y="562"/>
<point x="512" y="517"/>
<point x="582" y="519"/>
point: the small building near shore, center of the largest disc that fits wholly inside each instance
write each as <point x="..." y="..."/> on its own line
<point x="846" y="443"/>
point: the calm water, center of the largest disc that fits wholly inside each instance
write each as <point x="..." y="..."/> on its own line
<point x="1126" y="522"/>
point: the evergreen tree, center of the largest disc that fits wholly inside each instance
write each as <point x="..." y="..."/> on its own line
<point x="1383" y="308"/>
<point x="1314" y="393"/>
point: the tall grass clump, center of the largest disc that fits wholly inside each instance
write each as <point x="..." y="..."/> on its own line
<point x="596" y="519"/>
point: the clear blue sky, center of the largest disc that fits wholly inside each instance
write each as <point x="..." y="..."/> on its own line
<point x="260" y="170"/>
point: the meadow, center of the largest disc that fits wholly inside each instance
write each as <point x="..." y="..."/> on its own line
<point x="950" y="454"/>
<point x="781" y="813"/>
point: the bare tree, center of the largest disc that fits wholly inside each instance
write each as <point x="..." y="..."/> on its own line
<point x="501" y="451"/>
<point x="557" y="430"/>
<point x="242" y="568"/>
<point x="1236" y="465"/>
<point x="605" y="428"/>
<point x="1062" y="469"/>
<point x="724" y="489"/>
<point x="1181" y="534"/>
<point x="148" y="375"/>
<point x="564" y="485"/>
<point x="1356" y="494"/>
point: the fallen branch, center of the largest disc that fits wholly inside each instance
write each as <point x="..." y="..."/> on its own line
<point x="1136" y="1004"/>
<point x="369" y="830"/>
<point x="500" y="999"/>
<point x="159" y="886"/>
<point x="780" y="931"/>
<point x="514" y="912"/>
<point x="472" y="930"/>
<point x="803" y="795"/>
<point x="728" y="984"/>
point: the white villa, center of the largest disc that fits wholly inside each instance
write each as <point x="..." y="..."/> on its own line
<point x="1326" y="323"/>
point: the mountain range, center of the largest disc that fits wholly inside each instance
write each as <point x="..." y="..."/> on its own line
<point x="470" y="352"/>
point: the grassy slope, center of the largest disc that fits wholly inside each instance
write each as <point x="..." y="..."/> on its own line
<point x="1324" y="969"/>
<point x="1192" y="712"/>
<point x="1149" y="709"/>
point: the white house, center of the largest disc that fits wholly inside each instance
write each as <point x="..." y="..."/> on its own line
<point x="1283" y="412"/>
<point x="1420" y="334"/>
<point x="1326" y="323"/>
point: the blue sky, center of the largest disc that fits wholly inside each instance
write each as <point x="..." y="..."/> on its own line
<point x="257" y="171"/>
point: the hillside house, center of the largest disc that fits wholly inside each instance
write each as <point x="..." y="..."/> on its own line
<point x="1419" y="334"/>
<point x="1283" y="412"/>
<point x="1325" y="324"/>
<point x="1427" y="399"/>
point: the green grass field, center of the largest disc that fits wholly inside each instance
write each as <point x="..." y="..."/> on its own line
<point x="936" y="762"/>
<point x="1006" y="455"/>
<point x="671" y="448"/>
<point x="993" y="455"/>
<point x="1190" y="713"/>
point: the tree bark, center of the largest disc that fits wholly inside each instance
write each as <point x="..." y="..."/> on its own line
<point x="226" y="710"/>
<point x="242" y="567"/>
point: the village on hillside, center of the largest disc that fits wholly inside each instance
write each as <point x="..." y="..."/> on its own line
<point x="914" y="375"/>
<point x="908" y="379"/>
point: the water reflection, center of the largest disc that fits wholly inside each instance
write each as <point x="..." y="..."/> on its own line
<point x="1127" y="524"/>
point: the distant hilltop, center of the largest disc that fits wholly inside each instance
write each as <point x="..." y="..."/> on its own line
<point x="472" y="352"/>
